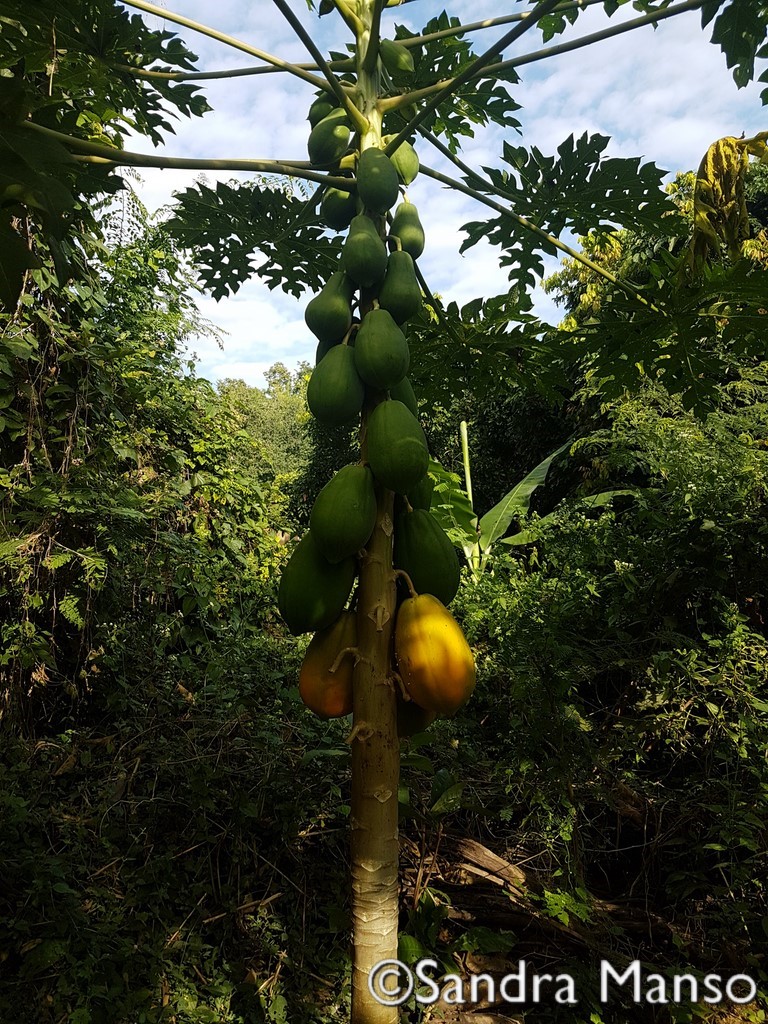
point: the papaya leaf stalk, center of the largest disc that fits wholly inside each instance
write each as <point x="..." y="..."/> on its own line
<point x="236" y="44"/>
<point x="332" y="81"/>
<point x="625" y="286"/>
<point x="406" y="99"/>
<point x="486" y="58"/>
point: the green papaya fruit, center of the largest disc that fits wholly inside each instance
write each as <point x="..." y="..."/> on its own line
<point x="407" y="227"/>
<point x="378" y="185"/>
<point x="329" y="314"/>
<point x="412" y="718"/>
<point x="404" y="160"/>
<point x="403" y="392"/>
<point x="323" y="348"/>
<point x="344" y="513"/>
<point x="400" y="293"/>
<point x="364" y="256"/>
<point x="420" y="496"/>
<point x="320" y="108"/>
<point x="312" y="592"/>
<point x="407" y="113"/>
<point x="381" y="351"/>
<point x="395" y="57"/>
<point x="335" y="392"/>
<point x="423" y="551"/>
<point x="397" y="448"/>
<point x="337" y="208"/>
<point x="330" y="137"/>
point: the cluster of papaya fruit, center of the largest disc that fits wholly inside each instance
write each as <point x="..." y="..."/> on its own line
<point x="361" y="368"/>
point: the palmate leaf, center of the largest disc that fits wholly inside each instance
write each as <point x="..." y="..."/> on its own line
<point x="479" y="102"/>
<point x="581" y="189"/>
<point x="489" y="343"/>
<point x="689" y="343"/>
<point x="578" y="190"/>
<point x="70" y="53"/>
<point x="741" y="29"/>
<point x="31" y="168"/>
<point x="236" y="231"/>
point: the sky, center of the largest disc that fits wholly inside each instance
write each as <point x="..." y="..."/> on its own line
<point x="663" y="94"/>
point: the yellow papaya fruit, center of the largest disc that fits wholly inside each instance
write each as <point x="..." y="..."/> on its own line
<point x="433" y="657"/>
<point x="329" y="693"/>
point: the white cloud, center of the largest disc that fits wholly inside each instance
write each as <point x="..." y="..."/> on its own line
<point x="664" y="95"/>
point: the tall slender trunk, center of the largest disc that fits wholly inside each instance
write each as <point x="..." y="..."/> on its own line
<point x="375" y="749"/>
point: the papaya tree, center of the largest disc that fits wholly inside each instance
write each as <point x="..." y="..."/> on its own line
<point x="374" y="573"/>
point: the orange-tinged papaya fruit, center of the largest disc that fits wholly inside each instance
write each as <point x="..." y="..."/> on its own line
<point x="433" y="657"/>
<point x="327" y="693"/>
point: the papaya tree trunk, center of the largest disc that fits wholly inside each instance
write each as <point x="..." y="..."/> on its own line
<point x="375" y="772"/>
<point x="375" y="748"/>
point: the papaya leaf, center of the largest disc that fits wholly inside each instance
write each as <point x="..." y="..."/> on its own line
<point x="689" y="347"/>
<point x="491" y="340"/>
<point x="479" y="102"/>
<point x="480" y="939"/>
<point x="239" y="230"/>
<point x="741" y="30"/>
<point x="410" y="950"/>
<point x="451" y="507"/>
<point x="442" y="782"/>
<point x="495" y="523"/>
<point x="579" y="190"/>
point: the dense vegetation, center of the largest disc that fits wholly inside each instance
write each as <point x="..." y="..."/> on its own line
<point x="156" y="849"/>
<point x="174" y="820"/>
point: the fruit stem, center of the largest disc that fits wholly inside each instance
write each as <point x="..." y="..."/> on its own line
<point x="342" y="654"/>
<point x="409" y="582"/>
